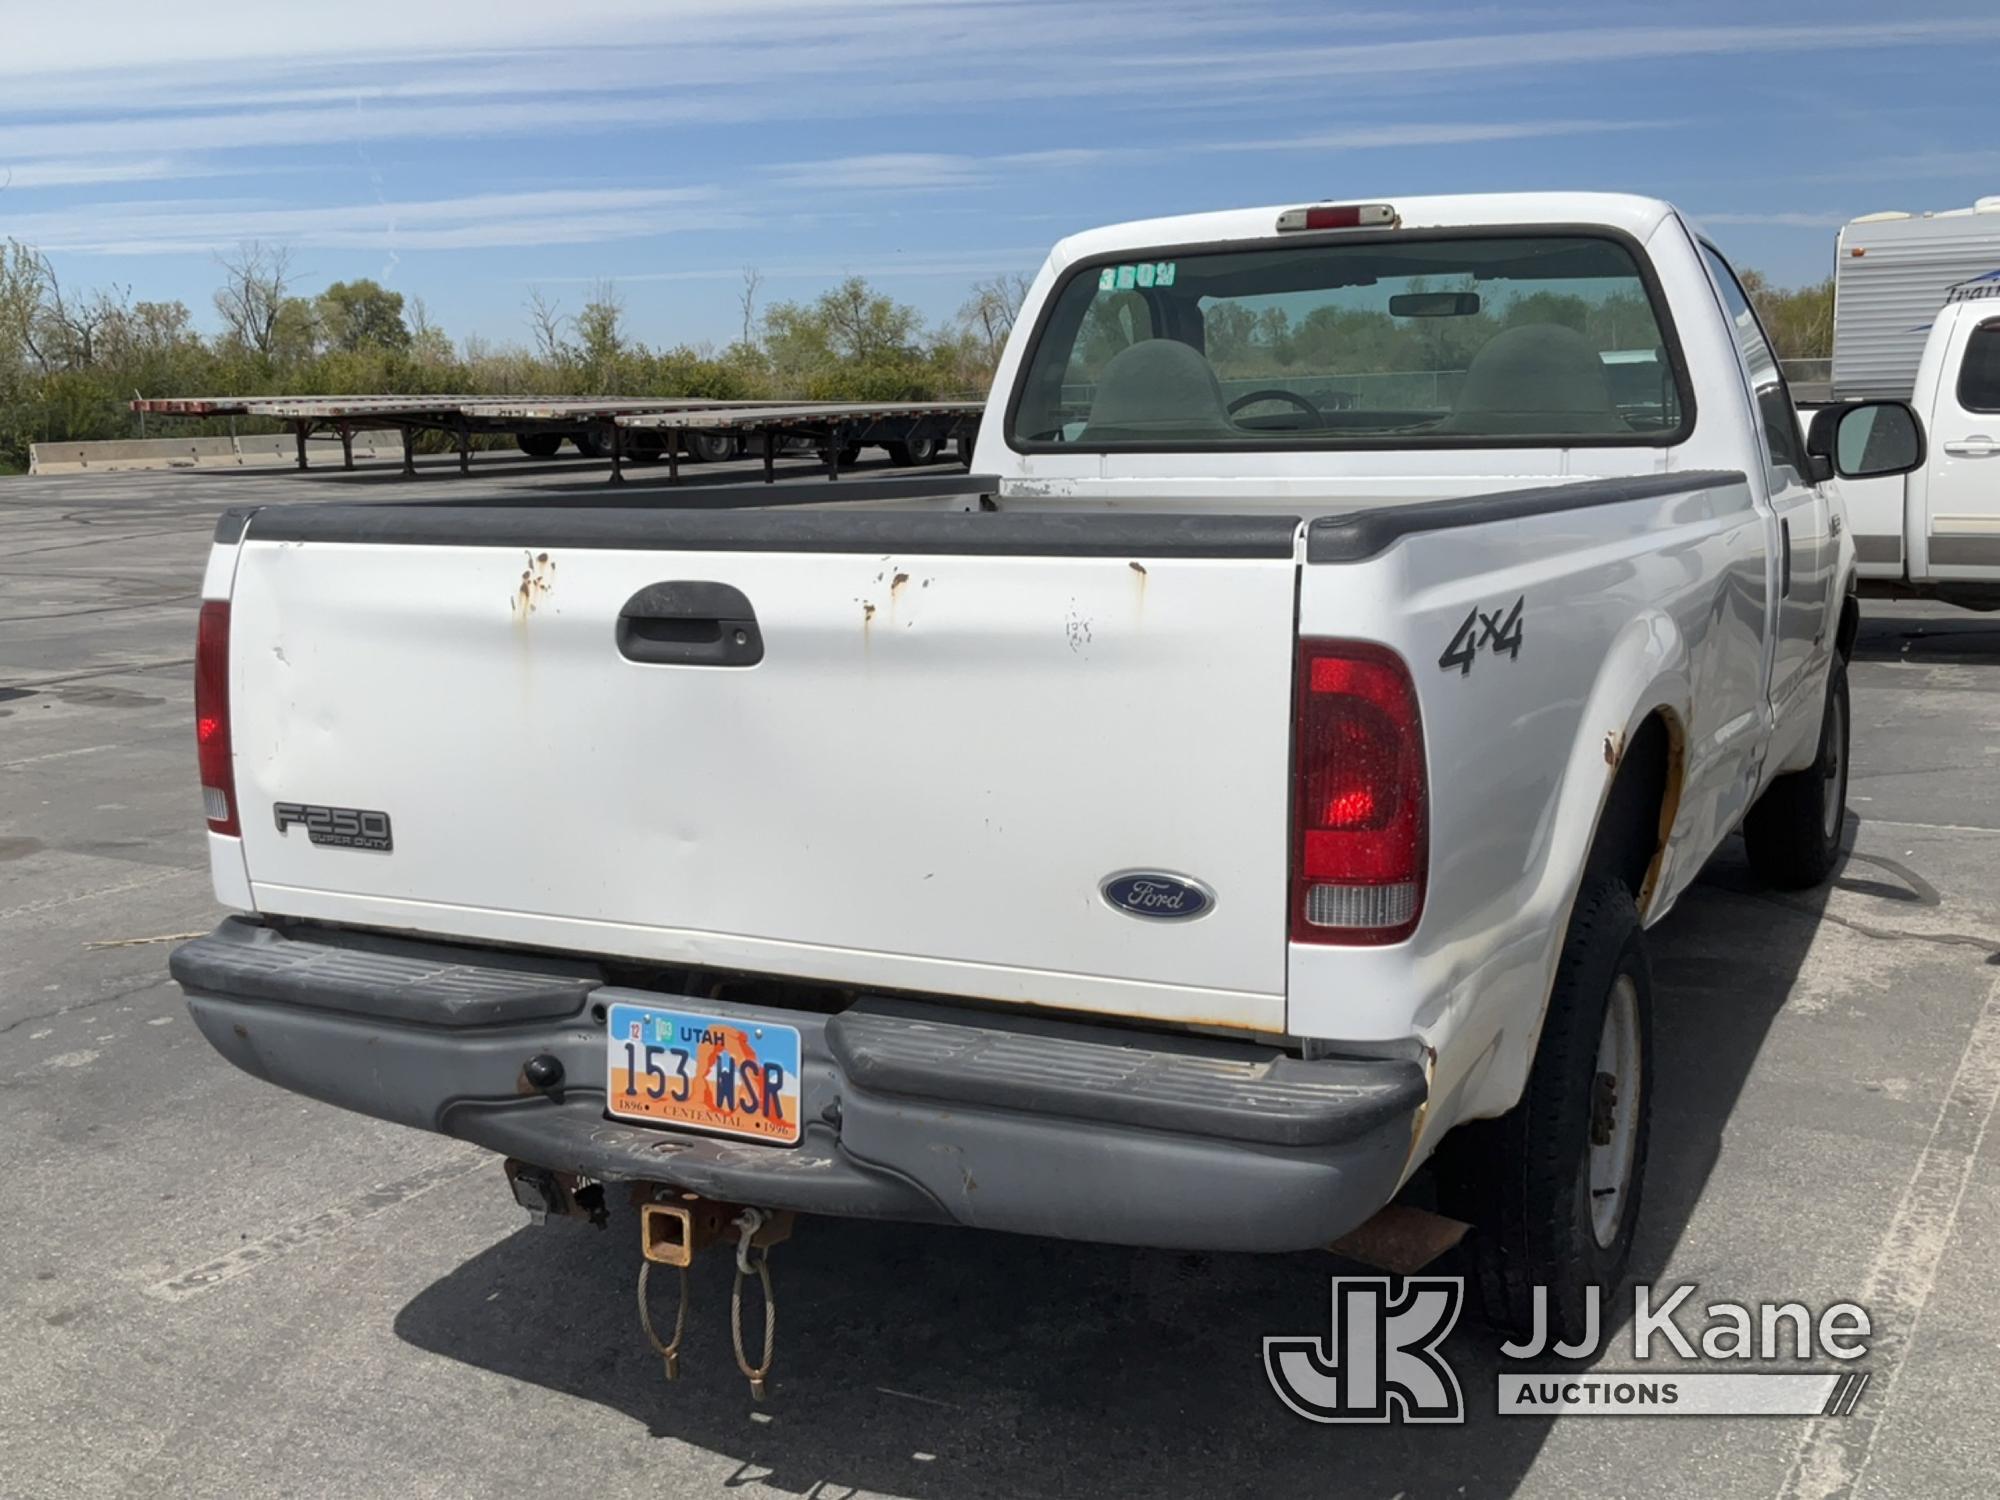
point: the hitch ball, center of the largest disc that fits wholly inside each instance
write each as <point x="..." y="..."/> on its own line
<point x="543" y="1071"/>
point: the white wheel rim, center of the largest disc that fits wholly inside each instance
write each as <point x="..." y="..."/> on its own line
<point x="1834" y="795"/>
<point x="1614" y="1112"/>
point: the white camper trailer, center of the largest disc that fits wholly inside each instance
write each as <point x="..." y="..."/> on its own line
<point x="1891" y="274"/>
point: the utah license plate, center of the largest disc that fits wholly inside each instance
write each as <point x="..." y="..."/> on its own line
<point x="700" y="1072"/>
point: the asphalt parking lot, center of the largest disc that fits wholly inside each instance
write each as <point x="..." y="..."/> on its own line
<point x="210" y="1287"/>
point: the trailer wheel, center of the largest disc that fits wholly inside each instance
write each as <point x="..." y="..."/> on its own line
<point x="963" y="445"/>
<point x="590" y="445"/>
<point x="915" y="451"/>
<point x="1792" y="834"/>
<point x="538" y="444"/>
<point x="711" y="447"/>
<point x="1552" y="1187"/>
<point x="850" y="455"/>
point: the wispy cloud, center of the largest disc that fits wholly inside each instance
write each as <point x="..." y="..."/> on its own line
<point x="1915" y="164"/>
<point x="70" y="172"/>
<point x="691" y="57"/>
<point x="181" y="87"/>
<point x="913" y="171"/>
<point x="895" y="170"/>
<point x="561" y="217"/>
<point x="1387" y="137"/>
<point x="1777" y="219"/>
<point x="956" y="265"/>
<point x="1509" y="51"/>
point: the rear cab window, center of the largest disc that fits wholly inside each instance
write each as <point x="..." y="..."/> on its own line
<point x="1979" y="372"/>
<point x="1487" y="339"/>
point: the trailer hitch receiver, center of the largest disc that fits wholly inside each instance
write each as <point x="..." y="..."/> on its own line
<point x="673" y="1228"/>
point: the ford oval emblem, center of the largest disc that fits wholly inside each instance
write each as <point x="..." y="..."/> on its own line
<point x="1157" y="895"/>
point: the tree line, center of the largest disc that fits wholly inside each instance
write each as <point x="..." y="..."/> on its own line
<point x="71" y="359"/>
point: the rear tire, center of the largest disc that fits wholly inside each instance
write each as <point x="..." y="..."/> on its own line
<point x="1552" y="1188"/>
<point x="538" y="444"/>
<point x="915" y="451"/>
<point x="1792" y="835"/>
<point x="711" y="447"/>
<point x="590" y="445"/>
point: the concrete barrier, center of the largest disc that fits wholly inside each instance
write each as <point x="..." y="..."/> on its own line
<point x="266" y="450"/>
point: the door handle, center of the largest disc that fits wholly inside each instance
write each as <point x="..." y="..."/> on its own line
<point x="1784" y="558"/>
<point x="1979" y="445"/>
<point x="691" y="624"/>
<point x="1833" y="525"/>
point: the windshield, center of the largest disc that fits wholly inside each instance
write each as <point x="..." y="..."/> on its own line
<point x="1448" y="341"/>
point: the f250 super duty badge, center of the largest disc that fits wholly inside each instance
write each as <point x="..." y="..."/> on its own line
<point x="1498" y="631"/>
<point x="336" y="827"/>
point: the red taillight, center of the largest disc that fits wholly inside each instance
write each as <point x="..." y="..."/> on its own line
<point x="1359" y="827"/>
<point x="1339" y="216"/>
<point x="211" y="718"/>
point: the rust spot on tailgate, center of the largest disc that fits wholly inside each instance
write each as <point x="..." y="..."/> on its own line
<point x="538" y="581"/>
<point x="1076" y="626"/>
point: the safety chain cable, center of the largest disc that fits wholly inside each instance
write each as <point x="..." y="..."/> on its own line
<point x="747" y="1224"/>
<point x="670" y="1351"/>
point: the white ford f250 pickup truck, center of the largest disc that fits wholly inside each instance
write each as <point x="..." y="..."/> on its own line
<point x="1254" y="779"/>
<point x="1936" y="533"/>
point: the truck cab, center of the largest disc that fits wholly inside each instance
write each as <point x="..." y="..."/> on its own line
<point x="1935" y="531"/>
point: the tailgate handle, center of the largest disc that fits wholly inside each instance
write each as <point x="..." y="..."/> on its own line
<point x="692" y="624"/>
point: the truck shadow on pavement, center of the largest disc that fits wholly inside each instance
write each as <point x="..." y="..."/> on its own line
<point x="939" y="1362"/>
<point x="1958" y="640"/>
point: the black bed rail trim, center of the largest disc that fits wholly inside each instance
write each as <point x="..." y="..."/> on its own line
<point x="230" y="525"/>
<point x="967" y="533"/>
<point x="1361" y="534"/>
<point x="744" y="492"/>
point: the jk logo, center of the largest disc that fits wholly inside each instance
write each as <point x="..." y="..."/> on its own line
<point x="1380" y="1361"/>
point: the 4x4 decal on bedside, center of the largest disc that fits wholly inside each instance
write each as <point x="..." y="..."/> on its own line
<point x="1480" y="631"/>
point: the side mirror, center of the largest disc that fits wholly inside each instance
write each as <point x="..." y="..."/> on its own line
<point x="1867" y="439"/>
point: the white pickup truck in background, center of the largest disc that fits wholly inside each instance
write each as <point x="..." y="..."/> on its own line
<point x="1935" y="533"/>
<point x="1253" y="781"/>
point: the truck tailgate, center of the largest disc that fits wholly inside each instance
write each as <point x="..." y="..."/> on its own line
<point x="960" y="727"/>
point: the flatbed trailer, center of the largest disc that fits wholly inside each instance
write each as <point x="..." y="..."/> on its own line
<point x="621" y="428"/>
<point x="834" y="428"/>
<point x="537" y="423"/>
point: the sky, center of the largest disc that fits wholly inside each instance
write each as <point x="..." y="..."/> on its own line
<point x="470" y="152"/>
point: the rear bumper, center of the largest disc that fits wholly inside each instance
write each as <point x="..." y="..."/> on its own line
<point x="912" y="1111"/>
